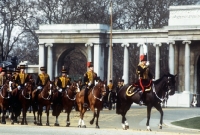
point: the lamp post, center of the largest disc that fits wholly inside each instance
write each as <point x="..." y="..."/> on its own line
<point x="110" y="47"/>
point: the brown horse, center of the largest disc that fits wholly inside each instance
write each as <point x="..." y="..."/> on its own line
<point x="64" y="100"/>
<point x="44" y="99"/>
<point x="25" y="100"/>
<point x="4" y="100"/>
<point x="95" y="97"/>
<point x="20" y="100"/>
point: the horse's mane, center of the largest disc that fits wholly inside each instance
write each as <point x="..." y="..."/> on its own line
<point x="160" y="79"/>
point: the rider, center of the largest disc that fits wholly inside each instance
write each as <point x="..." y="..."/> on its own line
<point x="89" y="79"/>
<point x="22" y="77"/>
<point x="63" y="81"/>
<point x="2" y="76"/>
<point x="144" y="74"/>
<point x="42" y="78"/>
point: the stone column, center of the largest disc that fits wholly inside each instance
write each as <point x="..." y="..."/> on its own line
<point x="157" y="68"/>
<point x="187" y="65"/>
<point x="97" y="64"/>
<point x="141" y="48"/>
<point x="89" y="51"/>
<point x="50" y="60"/>
<point x="171" y="57"/>
<point x="41" y="55"/>
<point x="126" y="64"/>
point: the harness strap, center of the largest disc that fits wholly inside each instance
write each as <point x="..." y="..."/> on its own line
<point x="100" y="99"/>
<point x="153" y="87"/>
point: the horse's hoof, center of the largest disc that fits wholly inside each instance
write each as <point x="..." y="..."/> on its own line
<point x="97" y="127"/>
<point x="12" y="123"/>
<point x="160" y="127"/>
<point x="47" y="124"/>
<point x="22" y="123"/>
<point x="84" y="126"/>
<point x="91" y="122"/>
<point x="68" y="124"/>
<point x="39" y="124"/>
<point x="127" y="126"/>
<point x="35" y="122"/>
<point x="79" y="126"/>
<point x="3" y="122"/>
<point x="56" y="124"/>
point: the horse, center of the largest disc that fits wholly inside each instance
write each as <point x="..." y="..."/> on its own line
<point x="95" y="97"/>
<point x="44" y="99"/>
<point x="151" y="98"/>
<point x="25" y="100"/>
<point x="4" y="100"/>
<point x="20" y="100"/>
<point x="66" y="102"/>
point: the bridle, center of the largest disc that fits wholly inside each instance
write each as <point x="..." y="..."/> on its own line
<point x="102" y="91"/>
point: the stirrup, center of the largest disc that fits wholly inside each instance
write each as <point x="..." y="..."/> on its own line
<point x="141" y="102"/>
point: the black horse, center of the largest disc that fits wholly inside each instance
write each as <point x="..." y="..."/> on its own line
<point x="151" y="98"/>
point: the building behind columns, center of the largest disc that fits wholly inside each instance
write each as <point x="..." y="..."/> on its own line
<point x="92" y="40"/>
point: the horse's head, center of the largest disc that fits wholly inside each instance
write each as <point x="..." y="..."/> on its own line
<point x="102" y="87"/>
<point x="171" y="84"/>
<point x="74" y="87"/>
<point x="28" y="87"/>
<point x="48" y="87"/>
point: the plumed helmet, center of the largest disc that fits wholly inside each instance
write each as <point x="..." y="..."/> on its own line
<point x="22" y="66"/>
<point x="143" y="57"/>
<point x="89" y="64"/>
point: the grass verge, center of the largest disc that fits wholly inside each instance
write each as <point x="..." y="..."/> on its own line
<point x="193" y="123"/>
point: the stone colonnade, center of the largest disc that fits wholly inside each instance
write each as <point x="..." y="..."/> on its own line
<point x="98" y="62"/>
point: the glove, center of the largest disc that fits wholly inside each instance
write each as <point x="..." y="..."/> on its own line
<point x="60" y="90"/>
<point x="25" y="84"/>
<point x="19" y="87"/>
<point x="67" y="86"/>
<point x="39" y="87"/>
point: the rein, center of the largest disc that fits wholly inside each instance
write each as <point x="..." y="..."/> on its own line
<point x="2" y="95"/>
<point x="69" y="97"/>
<point x="25" y="96"/>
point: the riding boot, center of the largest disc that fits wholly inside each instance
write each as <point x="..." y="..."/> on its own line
<point x="141" y="97"/>
<point x="86" y="97"/>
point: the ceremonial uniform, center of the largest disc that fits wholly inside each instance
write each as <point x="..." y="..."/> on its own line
<point x="89" y="79"/>
<point x="42" y="78"/>
<point x="63" y="81"/>
<point x="144" y="74"/>
<point x="22" y="77"/>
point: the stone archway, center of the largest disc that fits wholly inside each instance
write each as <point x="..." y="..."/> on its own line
<point x="74" y="59"/>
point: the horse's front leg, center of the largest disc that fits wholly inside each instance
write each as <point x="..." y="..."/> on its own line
<point x="149" y="107"/>
<point x="97" y="118"/>
<point x="39" y="116"/>
<point x="47" y="111"/>
<point x="3" y="119"/>
<point x="81" y="121"/>
<point x="23" y="116"/>
<point x="159" y="108"/>
<point x="94" y="115"/>
<point x="68" y="121"/>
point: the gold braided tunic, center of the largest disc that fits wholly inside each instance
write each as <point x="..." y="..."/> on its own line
<point x="64" y="81"/>
<point x="43" y="78"/>
<point x="90" y="76"/>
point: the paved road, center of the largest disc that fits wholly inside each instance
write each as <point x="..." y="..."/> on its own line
<point x="109" y="122"/>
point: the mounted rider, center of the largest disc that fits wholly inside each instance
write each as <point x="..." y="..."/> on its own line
<point x="63" y="81"/>
<point x="22" y="78"/>
<point x="144" y="74"/>
<point x="89" y="79"/>
<point x="42" y="79"/>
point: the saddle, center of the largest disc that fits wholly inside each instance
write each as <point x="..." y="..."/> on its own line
<point x="135" y="87"/>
